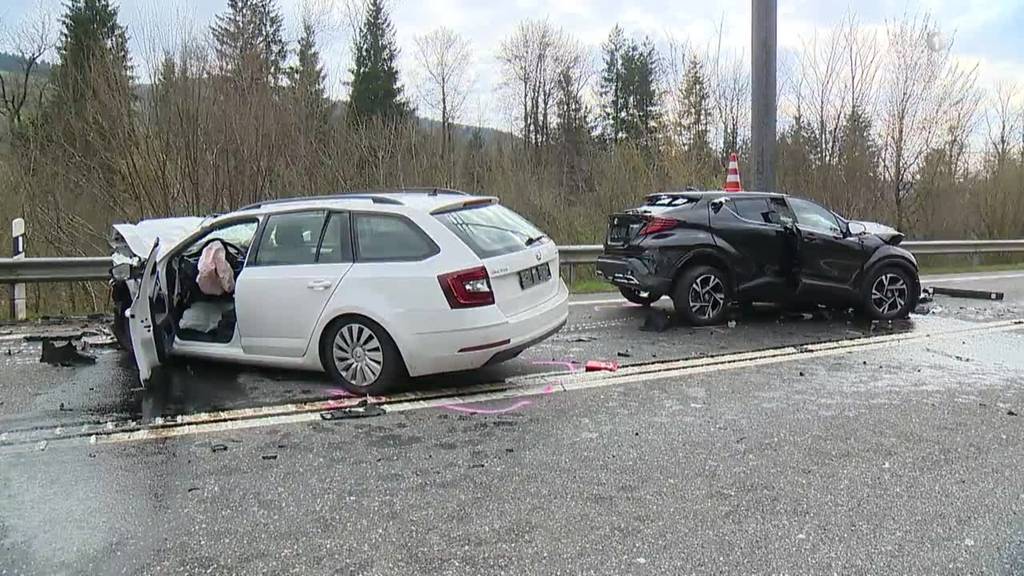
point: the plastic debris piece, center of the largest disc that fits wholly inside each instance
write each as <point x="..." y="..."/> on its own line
<point x="361" y="410"/>
<point x="601" y="366"/>
<point x="624" y="354"/>
<point x="656" y="321"/>
<point x="66" y="355"/>
<point x="219" y="447"/>
<point x="269" y="456"/>
<point x="731" y="324"/>
<point x="961" y="293"/>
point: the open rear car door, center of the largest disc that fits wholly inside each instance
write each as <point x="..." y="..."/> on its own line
<point x="145" y="333"/>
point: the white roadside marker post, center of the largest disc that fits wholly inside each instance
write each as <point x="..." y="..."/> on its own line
<point x="18" y="309"/>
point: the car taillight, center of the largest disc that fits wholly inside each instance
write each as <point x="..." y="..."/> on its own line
<point x="658" y="224"/>
<point x="467" y="288"/>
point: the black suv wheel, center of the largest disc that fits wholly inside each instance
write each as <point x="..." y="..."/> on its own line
<point x="638" y="297"/>
<point x="702" y="295"/>
<point x="890" y="292"/>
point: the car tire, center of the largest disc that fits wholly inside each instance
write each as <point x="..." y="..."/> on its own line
<point x="361" y="357"/>
<point x="637" y="297"/>
<point x="890" y="292"/>
<point x="702" y="295"/>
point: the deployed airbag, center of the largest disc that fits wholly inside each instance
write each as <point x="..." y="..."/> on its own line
<point x="215" y="275"/>
<point x="204" y="316"/>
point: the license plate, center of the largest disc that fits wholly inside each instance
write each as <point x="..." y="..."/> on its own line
<point x="533" y="276"/>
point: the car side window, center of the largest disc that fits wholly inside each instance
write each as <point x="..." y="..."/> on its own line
<point x="780" y="212"/>
<point x="387" y="237"/>
<point x="814" y="217"/>
<point x="753" y="209"/>
<point x="290" y="239"/>
<point x="336" y="246"/>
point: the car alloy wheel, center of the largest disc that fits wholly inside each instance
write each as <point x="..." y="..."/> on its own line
<point x="358" y="354"/>
<point x="889" y="294"/>
<point x="707" y="296"/>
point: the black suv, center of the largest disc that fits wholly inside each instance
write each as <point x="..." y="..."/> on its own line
<point x="707" y="250"/>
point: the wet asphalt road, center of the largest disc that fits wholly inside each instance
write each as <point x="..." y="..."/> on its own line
<point x="900" y="460"/>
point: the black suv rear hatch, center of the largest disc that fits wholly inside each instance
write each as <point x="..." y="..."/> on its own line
<point x="627" y="230"/>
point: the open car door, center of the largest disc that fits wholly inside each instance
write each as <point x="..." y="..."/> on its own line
<point x="143" y="323"/>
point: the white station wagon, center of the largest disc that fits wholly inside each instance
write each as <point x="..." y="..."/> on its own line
<point x="369" y="287"/>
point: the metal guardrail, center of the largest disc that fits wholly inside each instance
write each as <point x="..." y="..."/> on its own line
<point x="54" y="269"/>
<point x="98" y="268"/>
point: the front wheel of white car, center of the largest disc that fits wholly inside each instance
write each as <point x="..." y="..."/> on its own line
<point x="361" y="357"/>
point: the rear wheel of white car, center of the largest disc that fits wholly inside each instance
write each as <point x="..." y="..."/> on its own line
<point x="361" y="357"/>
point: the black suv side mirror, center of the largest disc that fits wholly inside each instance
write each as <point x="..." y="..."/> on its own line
<point x="717" y="204"/>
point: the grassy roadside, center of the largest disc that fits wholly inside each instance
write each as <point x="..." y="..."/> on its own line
<point x="590" y="285"/>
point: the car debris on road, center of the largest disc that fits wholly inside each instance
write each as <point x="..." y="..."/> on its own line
<point x="66" y="355"/>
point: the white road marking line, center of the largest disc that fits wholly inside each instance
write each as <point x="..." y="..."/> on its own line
<point x="533" y="385"/>
<point x="596" y="302"/>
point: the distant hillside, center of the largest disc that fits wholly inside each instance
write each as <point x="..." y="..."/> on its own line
<point x="464" y="131"/>
<point x="12" y="63"/>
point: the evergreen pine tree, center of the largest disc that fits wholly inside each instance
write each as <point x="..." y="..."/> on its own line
<point x="92" y="40"/>
<point x="613" y="105"/>
<point x="307" y="75"/>
<point x="249" y="42"/>
<point x="640" y="65"/>
<point x="375" y="88"/>
<point x="696" y="113"/>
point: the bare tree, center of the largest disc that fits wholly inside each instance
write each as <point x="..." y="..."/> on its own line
<point x="444" y="57"/>
<point x="29" y="44"/>
<point x="530" y="60"/>
<point x="920" y="81"/>
<point x="1003" y="122"/>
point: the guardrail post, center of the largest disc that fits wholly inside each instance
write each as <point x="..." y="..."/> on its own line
<point x="18" y="308"/>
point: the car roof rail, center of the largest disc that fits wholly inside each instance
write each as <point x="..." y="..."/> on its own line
<point x="370" y="197"/>
<point x="428" y="190"/>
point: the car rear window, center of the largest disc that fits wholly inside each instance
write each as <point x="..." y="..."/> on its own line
<point x="491" y="230"/>
<point x="672" y="200"/>
<point x="387" y="237"/>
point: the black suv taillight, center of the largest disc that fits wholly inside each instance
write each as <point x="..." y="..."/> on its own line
<point x="658" y="224"/>
<point x="467" y="288"/>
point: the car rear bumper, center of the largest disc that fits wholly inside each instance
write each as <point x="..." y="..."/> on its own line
<point x="490" y="343"/>
<point x="631" y="272"/>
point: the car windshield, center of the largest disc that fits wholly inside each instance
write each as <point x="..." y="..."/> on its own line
<point x="491" y="230"/>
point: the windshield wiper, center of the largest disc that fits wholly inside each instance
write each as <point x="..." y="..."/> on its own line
<point x="534" y="239"/>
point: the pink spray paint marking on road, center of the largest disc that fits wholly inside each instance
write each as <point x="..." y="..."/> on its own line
<point x="471" y="410"/>
<point x="567" y="364"/>
<point x="549" y="389"/>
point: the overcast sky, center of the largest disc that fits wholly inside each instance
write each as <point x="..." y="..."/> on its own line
<point x="985" y="31"/>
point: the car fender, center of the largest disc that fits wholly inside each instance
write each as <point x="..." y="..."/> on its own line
<point x="895" y="255"/>
<point x="705" y="255"/>
<point x="332" y="313"/>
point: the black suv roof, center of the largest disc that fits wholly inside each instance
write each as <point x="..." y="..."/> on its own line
<point x="719" y="193"/>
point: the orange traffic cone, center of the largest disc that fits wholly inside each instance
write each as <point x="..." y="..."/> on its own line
<point x="732" y="180"/>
